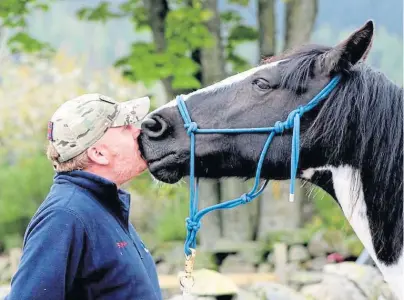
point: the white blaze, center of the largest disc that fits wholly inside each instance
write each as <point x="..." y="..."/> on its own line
<point x="221" y="84"/>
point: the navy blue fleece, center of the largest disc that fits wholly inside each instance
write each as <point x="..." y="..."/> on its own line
<point x="81" y="245"/>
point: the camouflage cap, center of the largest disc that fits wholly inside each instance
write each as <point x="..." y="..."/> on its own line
<point x="80" y="122"/>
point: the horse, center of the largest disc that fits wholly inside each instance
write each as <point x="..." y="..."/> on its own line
<point x="351" y="143"/>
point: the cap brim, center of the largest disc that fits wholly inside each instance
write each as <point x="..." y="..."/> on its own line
<point x="132" y="112"/>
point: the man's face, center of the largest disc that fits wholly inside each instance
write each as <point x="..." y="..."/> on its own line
<point x="118" y="151"/>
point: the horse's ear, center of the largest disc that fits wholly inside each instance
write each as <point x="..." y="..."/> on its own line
<point x="347" y="53"/>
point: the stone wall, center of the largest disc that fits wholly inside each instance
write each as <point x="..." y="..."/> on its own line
<point x="300" y="251"/>
<point x="318" y="265"/>
<point x="337" y="281"/>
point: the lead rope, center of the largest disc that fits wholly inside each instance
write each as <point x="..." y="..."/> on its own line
<point x="193" y="221"/>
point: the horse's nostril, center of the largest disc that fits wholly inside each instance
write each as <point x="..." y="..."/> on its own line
<point x="150" y="124"/>
<point x="154" y="127"/>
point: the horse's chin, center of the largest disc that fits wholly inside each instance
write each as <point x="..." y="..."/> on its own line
<point x="167" y="169"/>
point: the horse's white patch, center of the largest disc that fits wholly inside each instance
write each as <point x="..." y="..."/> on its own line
<point x="351" y="198"/>
<point x="221" y="84"/>
<point x="232" y="79"/>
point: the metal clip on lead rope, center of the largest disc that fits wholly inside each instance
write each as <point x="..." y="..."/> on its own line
<point x="187" y="279"/>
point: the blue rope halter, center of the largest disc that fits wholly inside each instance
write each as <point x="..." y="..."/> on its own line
<point x="292" y="121"/>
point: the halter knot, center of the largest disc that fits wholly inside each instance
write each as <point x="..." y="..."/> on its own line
<point x="279" y="127"/>
<point x="291" y="117"/>
<point x="191" y="127"/>
<point x="245" y="198"/>
<point x="300" y="110"/>
<point x="192" y="225"/>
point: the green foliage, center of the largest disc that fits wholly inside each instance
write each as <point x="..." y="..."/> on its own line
<point x="171" y="225"/>
<point x="289" y="237"/>
<point x="240" y="2"/>
<point x="24" y="186"/>
<point x="327" y="213"/>
<point x="185" y="31"/>
<point x="329" y="216"/>
<point x="230" y="16"/>
<point x="13" y="14"/>
<point x="33" y="91"/>
<point x="100" y="13"/>
<point x="239" y="34"/>
<point x="23" y="42"/>
<point x="12" y="241"/>
<point x="171" y="206"/>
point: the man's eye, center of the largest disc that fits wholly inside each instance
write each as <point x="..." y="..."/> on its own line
<point x="262" y="84"/>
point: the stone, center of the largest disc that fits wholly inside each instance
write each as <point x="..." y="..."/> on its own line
<point x="366" y="277"/>
<point x="354" y="246"/>
<point x="245" y="295"/>
<point x="4" y="291"/>
<point x="179" y="297"/>
<point x="236" y="264"/>
<point x="252" y="253"/>
<point x="275" y="291"/>
<point x="333" y="287"/>
<point x="191" y="297"/>
<point x="386" y="293"/>
<point x="304" y="278"/>
<point x="212" y="283"/>
<point x="292" y="267"/>
<point x="172" y="258"/>
<point x="4" y="262"/>
<point x="336" y="241"/>
<point x="318" y="245"/>
<point x="280" y="258"/>
<point x="271" y="258"/>
<point x="264" y="268"/>
<point x="231" y="247"/>
<point x="170" y="252"/>
<point x="5" y="269"/>
<point x="205" y="260"/>
<point x="317" y="263"/>
<point x="164" y="268"/>
<point x="288" y="237"/>
<point x="298" y="253"/>
<point x="349" y="281"/>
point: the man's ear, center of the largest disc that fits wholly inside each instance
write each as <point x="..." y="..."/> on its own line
<point x="98" y="155"/>
<point x="347" y="53"/>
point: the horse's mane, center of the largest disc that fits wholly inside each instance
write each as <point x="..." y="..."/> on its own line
<point x="363" y="119"/>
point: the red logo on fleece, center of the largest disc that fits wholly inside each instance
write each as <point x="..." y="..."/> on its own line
<point x="121" y="244"/>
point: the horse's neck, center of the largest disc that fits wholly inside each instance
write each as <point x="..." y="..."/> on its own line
<point x="347" y="187"/>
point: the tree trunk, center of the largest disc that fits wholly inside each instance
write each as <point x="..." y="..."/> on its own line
<point x="157" y="11"/>
<point x="235" y="223"/>
<point x="275" y="211"/>
<point x="267" y="28"/>
<point x="212" y="70"/>
<point x="299" y="21"/>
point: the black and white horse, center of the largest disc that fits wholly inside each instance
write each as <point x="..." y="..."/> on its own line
<point x="351" y="144"/>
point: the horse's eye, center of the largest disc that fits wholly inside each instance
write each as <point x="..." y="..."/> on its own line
<point x="262" y="84"/>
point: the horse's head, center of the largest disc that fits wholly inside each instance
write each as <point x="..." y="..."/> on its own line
<point x="258" y="97"/>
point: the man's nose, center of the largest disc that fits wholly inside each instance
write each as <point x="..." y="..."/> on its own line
<point x="135" y="131"/>
<point x="154" y="126"/>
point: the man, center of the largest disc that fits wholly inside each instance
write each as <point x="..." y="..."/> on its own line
<point x="80" y="243"/>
